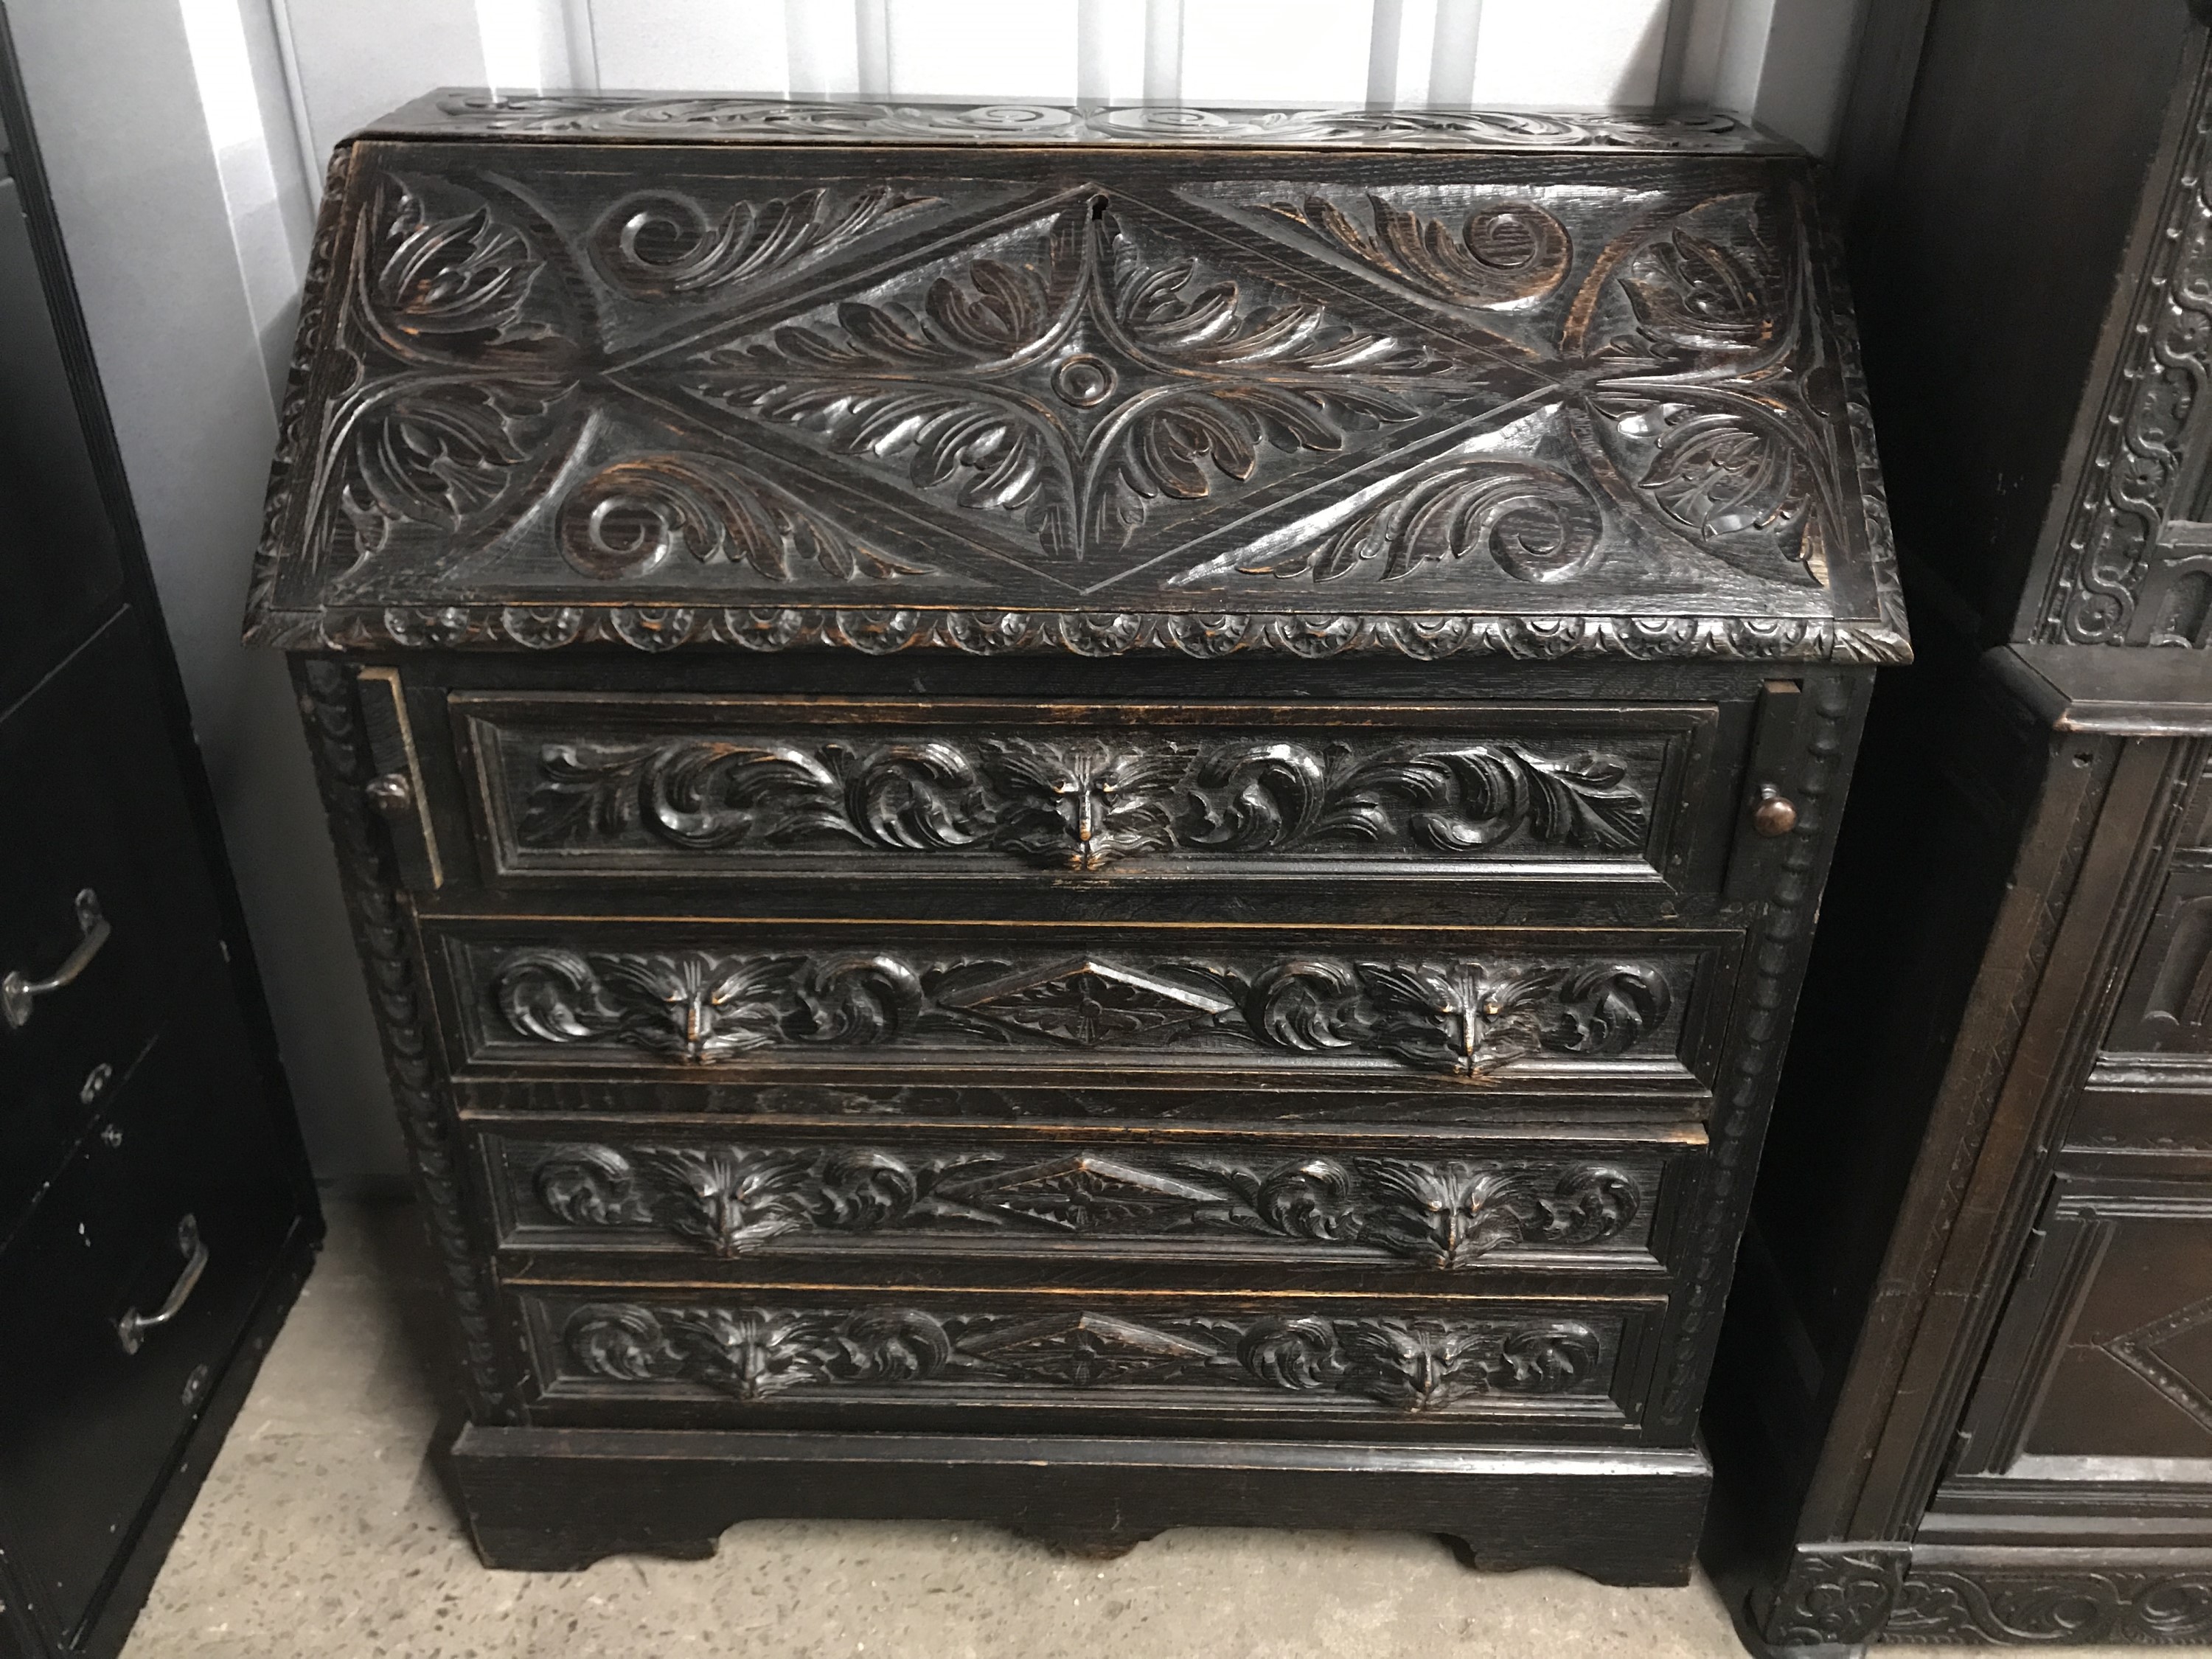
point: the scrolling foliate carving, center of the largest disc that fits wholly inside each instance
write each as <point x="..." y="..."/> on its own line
<point x="1000" y="391"/>
<point x="728" y="1199"/>
<point x="470" y="362"/>
<point x="1446" y="1215"/>
<point x="1119" y="392"/>
<point x="1835" y="1595"/>
<point x="1499" y="255"/>
<point x="1704" y="405"/>
<point x="465" y="365"/>
<point x="2117" y="581"/>
<point x="1406" y="1364"/>
<point x="1082" y="805"/>
<point x="845" y="121"/>
<point x="1465" y="1018"/>
<point x="2049" y="1604"/>
<point x="628" y="518"/>
<point x="1460" y="1016"/>
<point x="665" y="244"/>
<point x="1536" y="523"/>
<point x="1159" y="401"/>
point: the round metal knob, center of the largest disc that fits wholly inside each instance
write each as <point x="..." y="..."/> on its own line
<point x="1776" y="813"/>
<point x="392" y="792"/>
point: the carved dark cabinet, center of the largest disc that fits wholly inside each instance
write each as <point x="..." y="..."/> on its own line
<point x="1966" y="1389"/>
<point x="1096" y="818"/>
<point x="156" y="1213"/>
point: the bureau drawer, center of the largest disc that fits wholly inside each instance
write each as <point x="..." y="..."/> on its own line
<point x="701" y="787"/>
<point x="791" y="1357"/>
<point x="902" y="1206"/>
<point x="1159" y="1007"/>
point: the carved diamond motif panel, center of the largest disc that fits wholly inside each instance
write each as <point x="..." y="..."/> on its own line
<point x="1087" y="1003"/>
<point x="959" y="404"/>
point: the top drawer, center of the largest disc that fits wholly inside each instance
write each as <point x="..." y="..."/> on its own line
<point x="674" y="786"/>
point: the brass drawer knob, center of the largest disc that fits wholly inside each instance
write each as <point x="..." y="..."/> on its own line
<point x="392" y="792"/>
<point x="1776" y="813"/>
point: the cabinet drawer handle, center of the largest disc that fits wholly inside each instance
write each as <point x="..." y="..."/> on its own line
<point x="133" y="1326"/>
<point x="18" y="992"/>
<point x="1774" y="814"/>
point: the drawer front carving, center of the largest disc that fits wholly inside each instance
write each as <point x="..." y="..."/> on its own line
<point x="637" y="786"/>
<point x="1328" y="1360"/>
<point x="730" y="1197"/>
<point x="1468" y="1008"/>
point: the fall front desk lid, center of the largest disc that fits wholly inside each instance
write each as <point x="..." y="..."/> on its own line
<point x="737" y="374"/>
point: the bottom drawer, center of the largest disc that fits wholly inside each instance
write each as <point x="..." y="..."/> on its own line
<point x="803" y="1357"/>
<point x="175" y="1204"/>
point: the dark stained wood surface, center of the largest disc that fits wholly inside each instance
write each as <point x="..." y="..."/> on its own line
<point x="1030" y="399"/>
<point x="1962" y="1394"/>
<point x="1277" y="1034"/>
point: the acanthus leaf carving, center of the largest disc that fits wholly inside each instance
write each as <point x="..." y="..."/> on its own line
<point x="629" y="517"/>
<point x="1406" y="1364"/>
<point x="665" y="244"/>
<point x="697" y="1006"/>
<point x="1110" y="365"/>
<point x="1502" y="254"/>
<point x="456" y="285"/>
<point x="1460" y="1016"/>
<point x="1537" y="524"/>
<point x="975" y="392"/>
<point x="1703" y="407"/>
<point x="732" y="1200"/>
<point x="446" y="453"/>
<point x="1081" y="805"/>
<point x="1692" y="293"/>
<point x="1465" y="1018"/>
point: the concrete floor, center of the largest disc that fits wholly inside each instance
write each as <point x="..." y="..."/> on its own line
<point x="322" y="1531"/>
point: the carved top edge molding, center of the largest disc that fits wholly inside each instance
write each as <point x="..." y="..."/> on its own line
<point x="470" y="111"/>
<point x="1423" y="638"/>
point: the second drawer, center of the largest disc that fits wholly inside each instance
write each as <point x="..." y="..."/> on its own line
<point x="1159" y="1005"/>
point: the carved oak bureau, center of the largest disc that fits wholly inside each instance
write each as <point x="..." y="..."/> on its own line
<point x="1098" y="819"/>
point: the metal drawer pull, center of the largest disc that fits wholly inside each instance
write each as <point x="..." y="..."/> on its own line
<point x="17" y="993"/>
<point x="133" y="1326"/>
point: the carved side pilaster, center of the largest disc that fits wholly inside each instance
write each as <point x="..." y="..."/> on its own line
<point x="1776" y="961"/>
<point x="2118" y="578"/>
<point x="383" y="933"/>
